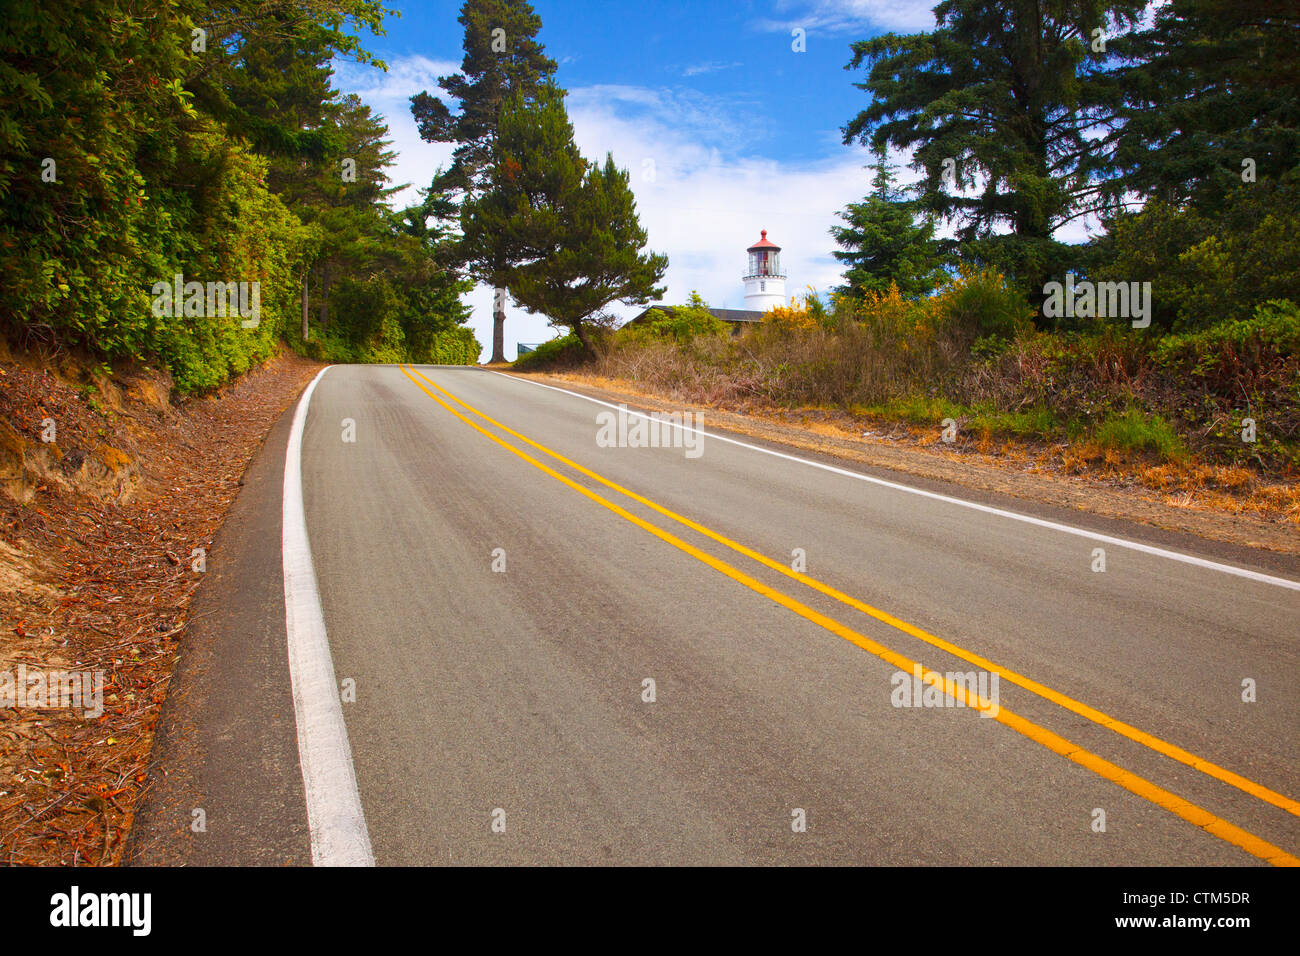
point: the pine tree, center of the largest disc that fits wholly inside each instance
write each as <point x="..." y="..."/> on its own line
<point x="1004" y="97"/>
<point x="502" y="59"/>
<point x="884" y="245"/>
<point x="506" y="225"/>
<point x="566" y="230"/>
<point x="1210" y="85"/>
<point x="348" y="194"/>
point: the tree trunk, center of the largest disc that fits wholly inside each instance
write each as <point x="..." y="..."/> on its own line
<point x="583" y="336"/>
<point x="304" y="304"/>
<point x="325" y="298"/>
<point x="498" y="325"/>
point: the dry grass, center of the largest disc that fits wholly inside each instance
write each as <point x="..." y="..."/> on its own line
<point x="1258" y="516"/>
<point x="661" y="373"/>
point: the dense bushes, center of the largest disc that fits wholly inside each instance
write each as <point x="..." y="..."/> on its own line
<point x="566" y="351"/>
<point x="129" y="154"/>
<point x="454" y="347"/>
<point x="867" y="350"/>
<point x="1227" y="353"/>
<point x="970" y="353"/>
<point x="682" y="324"/>
<point x="247" y="235"/>
<point x="1209" y="267"/>
<point x="112" y="183"/>
<point x="373" y="321"/>
<point x="979" y="304"/>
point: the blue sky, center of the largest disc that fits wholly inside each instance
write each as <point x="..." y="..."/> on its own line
<point x="725" y="129"/>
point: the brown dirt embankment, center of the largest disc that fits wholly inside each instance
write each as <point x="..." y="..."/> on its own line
<point x="111" y="489"/>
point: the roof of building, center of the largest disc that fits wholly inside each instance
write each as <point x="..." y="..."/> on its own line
<point x="764" y="244"/>
<point x="726" y="315"/>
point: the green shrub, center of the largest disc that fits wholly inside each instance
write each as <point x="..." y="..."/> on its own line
<point x="682" y="324"/>
<point x="1208" y="268"/>
<point x="1272" y="334"/>
<point x="456" y="346"/>
<point x="980" y="304"/>
<point x="990" y="346"/>
<point x="371" y="321"/>
<point x="248" y="236"/>
<point x="1131" y="431"/>
<point x="567" y="350"/>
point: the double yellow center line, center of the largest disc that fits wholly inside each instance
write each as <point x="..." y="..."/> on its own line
<point x="1134" y="784"/>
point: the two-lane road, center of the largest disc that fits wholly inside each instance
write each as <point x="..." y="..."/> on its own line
<point x="503" y="595"/>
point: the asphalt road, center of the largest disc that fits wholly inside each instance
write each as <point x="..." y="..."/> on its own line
<point x="496" y="619"/>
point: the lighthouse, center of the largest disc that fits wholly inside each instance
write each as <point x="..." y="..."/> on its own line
<point x="764" y="282"/>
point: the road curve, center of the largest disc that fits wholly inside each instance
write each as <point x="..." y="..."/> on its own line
<point x="498" y="587"/>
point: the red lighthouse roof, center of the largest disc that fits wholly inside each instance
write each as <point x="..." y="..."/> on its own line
<point x="763" y="244"/>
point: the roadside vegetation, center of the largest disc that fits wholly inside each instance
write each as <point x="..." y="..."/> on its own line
<point x="971" y="354"/>
<point x="140" y="141"/>
<point x="1179" y="138"/>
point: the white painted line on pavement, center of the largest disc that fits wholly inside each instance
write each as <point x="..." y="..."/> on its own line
<point x="948" y="499"/>
<point x="338" y="825"/>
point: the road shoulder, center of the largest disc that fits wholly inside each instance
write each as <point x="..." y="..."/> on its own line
<point x="226" y="743"/>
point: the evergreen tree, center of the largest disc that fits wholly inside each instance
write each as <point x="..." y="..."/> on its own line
<point x="1210" y="85"/>
<point x="431" y="286"/>
<point x="267" y="74"/>
<point x="1004" y="97"/>
<point x="265" y="68"/>
<point x="502" y="59"/>
<point x="350" y="193"/>
<point x="884" y="245"/>
<point x="567" y="230"/>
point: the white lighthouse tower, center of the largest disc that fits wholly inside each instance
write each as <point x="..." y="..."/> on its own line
<point x="764" y="282"/>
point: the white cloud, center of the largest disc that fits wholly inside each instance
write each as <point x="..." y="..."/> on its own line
<point x="405" y="77"/>
<point x="389" y="94"/>
<point x="701" y="196"/>
<point x="838" y="16"/>
<point x="710" y="67"/>
<point x="703" y="200"/>
<point x="728" y="122"/>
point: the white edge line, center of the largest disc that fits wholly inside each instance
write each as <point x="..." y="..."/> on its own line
<point x="334" y="816"/>
<point x="948" y="499"/>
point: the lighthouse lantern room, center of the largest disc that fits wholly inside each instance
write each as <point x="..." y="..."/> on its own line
<point x="764" y="282"/>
